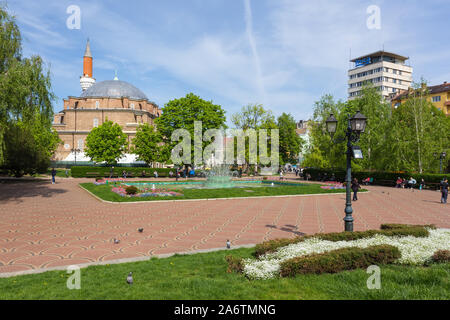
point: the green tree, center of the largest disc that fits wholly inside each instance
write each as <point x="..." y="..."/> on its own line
<point x="147" y="144"/>
<point x="290" y="143"/>
<point x="418" y="131"/>
<point x="373" y="140"/>
<point x="25" y="102"/>
<point x="182" y="113"/>
<point x="255" y="117"/>
<point x="322" y="152"/>
<point x="106" y="143"/>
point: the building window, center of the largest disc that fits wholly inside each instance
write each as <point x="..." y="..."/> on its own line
<point x="97" y="104"/>
<point x="62" y="120"/>
<point x="76" y="104"/>
<point x="400" y="72"/>
<point x="80" y="144"/>
<point x="436" y="98"/>
<point x="132" y="106"/>
<point x="95" y="122"/>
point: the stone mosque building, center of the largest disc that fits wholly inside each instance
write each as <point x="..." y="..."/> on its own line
<point x="114" y="100"/>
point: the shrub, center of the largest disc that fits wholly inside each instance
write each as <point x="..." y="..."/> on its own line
<point x="86" y="171"/>
<point x="380" y="178"/>
<point x="388" y="230"/>
<point x="441" y="256"/>
<point x="131" y="190"/>
<point x="340" y="260"/>
<point x="390" y="226"/>
<point x="234" y="264"/>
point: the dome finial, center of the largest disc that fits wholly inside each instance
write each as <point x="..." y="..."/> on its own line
<point x="115" y="75"/>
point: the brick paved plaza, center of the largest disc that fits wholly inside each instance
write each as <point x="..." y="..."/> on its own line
<point x="46" y="226"/>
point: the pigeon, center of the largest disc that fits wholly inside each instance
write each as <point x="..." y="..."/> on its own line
<point x="140" y="230"/>
<point x="228" y="244"/>
<point x="130" y="278"/>
<point x="116" y="241"/>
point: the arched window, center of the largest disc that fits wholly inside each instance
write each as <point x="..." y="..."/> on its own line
<point x="97" y="104"/>
<point x="95" y="122"/>
<point x="80" y="144"/>
<point x="76" y="104"/>
<point x="132" y="106"/>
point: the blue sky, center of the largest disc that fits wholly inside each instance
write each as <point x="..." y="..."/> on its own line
<point x="284" y="54"/>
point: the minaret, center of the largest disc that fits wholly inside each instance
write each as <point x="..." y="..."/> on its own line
<point x="86" y="79"/>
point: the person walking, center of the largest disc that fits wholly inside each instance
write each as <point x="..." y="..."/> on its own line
<point x="444" y="190"/>
<point x="53" y="175"/>
<point x="422" y="184"/>
<point x="355" y="187"/>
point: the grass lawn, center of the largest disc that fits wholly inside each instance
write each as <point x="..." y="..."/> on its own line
<point x="204" y="276"/>
<point x="104" y="192"/>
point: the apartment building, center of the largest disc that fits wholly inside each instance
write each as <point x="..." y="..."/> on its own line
<point x="388" y="72"/>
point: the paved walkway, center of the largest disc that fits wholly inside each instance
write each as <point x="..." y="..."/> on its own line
<point x="45" y="226"/>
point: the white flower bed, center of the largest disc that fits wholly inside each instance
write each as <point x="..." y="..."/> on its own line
<point x="414" y="251"/>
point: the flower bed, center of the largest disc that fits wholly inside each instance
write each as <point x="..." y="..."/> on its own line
<point x="333" y="185"/>
<point x="414" y="251"/>
<point x="107" y="181"/>
<point x="146" y="192"/>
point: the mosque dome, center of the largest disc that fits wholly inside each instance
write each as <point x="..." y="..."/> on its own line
<point x="114" y="89"/>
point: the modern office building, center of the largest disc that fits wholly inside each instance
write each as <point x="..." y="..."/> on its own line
<point x="388" y="72"/>
<point x="438" y="95"/>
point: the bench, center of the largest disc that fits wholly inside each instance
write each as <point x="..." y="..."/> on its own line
<point x="93" y="174"/>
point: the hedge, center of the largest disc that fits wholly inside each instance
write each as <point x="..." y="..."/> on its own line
<point x="340" y="260"/>
<point x="394" y="230"/>
<point x="84" y="171"/>
<point x="381" y="178"/>
<point x="441" y="256"/>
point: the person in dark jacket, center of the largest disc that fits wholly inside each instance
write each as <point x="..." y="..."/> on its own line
<point x="444" y="190"/>
<point x="355" y="187"/>
<point x="53" y="175"/>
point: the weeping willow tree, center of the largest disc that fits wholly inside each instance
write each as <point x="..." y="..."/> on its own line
<point x="25" y="105"/>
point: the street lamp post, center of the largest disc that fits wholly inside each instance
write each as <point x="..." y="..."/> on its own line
<point x="442" y="156"/>
<point x="355" y="126"/>
<point x="75" y="153"/>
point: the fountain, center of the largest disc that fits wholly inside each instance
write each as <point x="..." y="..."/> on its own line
<point x="219" y="177"/>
